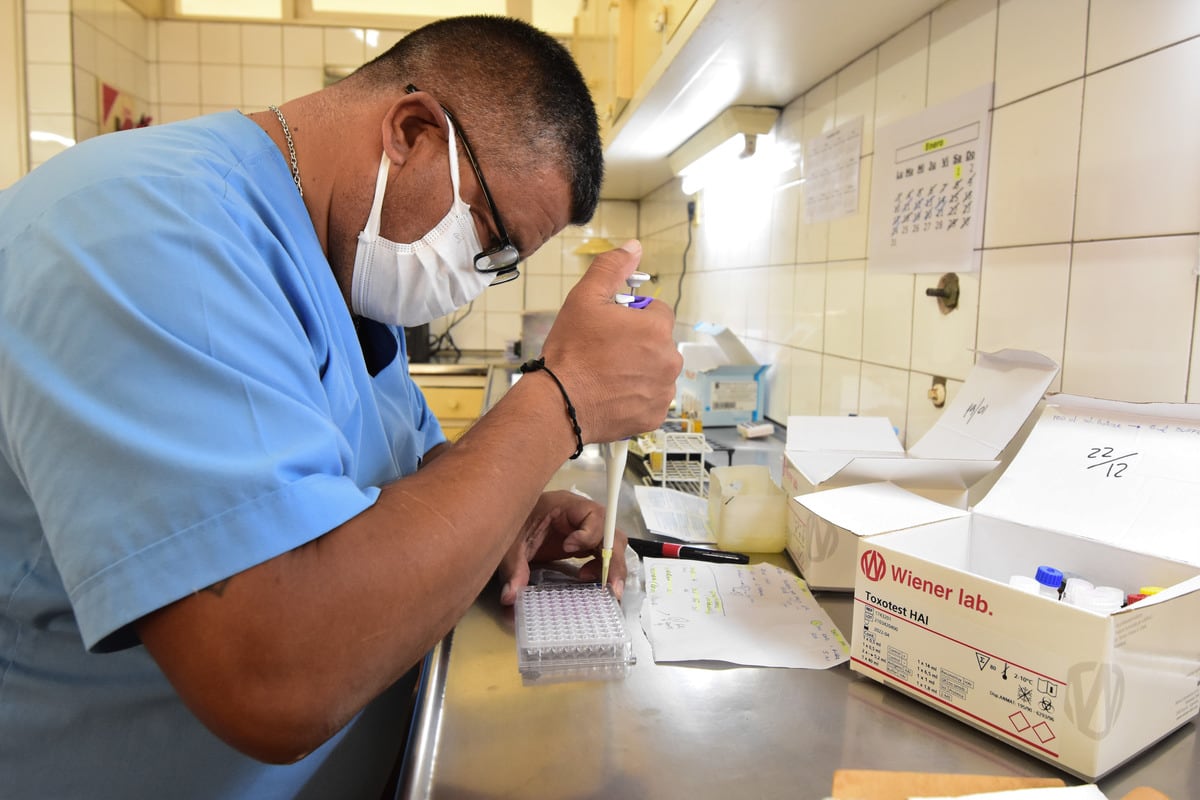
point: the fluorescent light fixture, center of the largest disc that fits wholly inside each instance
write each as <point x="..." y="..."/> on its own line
<point x="721" y="144"/>
<point x="47" y="136"/>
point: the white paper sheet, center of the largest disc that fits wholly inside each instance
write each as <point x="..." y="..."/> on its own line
<point x="928" y="182"/>
<point x="670" y="512"/>
<point x="831" y="163"/>
<point x="753" y="614"/>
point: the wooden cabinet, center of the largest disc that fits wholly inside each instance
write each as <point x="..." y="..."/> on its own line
<point x="653" y="24"/>
<point x="596" y="45"/>
<point x="617" y="43"/>
<point x="455" y="394"/>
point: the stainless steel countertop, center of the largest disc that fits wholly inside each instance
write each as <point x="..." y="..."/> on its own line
<point x="696" y="731"/>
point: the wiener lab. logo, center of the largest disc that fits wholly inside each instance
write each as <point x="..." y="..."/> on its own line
<point x="823" y="543"/>
<point x="1095" y="693"/>
<point x="873" y="565"/>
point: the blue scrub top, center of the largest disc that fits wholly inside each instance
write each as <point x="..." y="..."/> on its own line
<point x="182" y="396"/>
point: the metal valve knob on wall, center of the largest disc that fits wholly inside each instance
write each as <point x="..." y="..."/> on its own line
<point x="946" y="292"/>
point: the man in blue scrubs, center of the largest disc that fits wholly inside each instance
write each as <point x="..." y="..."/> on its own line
<point x="228" y="521"/>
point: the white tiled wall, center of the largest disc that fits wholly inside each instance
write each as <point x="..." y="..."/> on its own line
<point x="112" y="45"/>
<point x="49" y="84"/>
<point x="13" y="124"/>
<point x="203" y="67"/>
<point x="1091" y="230"/>
<point x="172" y="69"/>
<point x="1092" y="223"/>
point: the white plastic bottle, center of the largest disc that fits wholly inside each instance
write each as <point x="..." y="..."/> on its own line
<point x="1103" y="599"/>
<point x="1050" y="581"/>
<point x="1074" y="588"/>
<point x="1025" y="584"/>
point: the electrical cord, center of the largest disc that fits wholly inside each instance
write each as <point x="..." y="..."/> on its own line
<point x="444" y="340"/>
<point x="691" y="215"/>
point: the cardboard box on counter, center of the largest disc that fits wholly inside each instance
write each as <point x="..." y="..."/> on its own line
<point x="721" y="381"/>
<point x="1103" y="490"/>
<point x="961" y="449"/>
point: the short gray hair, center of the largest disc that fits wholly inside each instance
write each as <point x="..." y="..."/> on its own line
<point x="516" y="90"/>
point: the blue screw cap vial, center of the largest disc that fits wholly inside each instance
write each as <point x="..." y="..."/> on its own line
<point x="1049" y="576"/>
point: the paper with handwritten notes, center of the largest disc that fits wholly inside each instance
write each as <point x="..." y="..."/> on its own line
<point x="750" y="614"/>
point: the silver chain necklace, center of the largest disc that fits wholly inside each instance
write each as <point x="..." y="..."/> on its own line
<point x="287" y="134"/>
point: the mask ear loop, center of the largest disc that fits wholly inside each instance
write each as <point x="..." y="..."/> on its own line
<point x="372" y="226"/>
<point x="454" y="181"/>
<point x="373" y="219"/>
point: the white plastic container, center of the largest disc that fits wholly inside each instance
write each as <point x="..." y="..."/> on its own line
<point x="746" y="509"/>
<point x="1025" y="584"/>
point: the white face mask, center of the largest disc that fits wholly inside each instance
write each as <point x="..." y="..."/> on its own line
<point x="411" y="284"/>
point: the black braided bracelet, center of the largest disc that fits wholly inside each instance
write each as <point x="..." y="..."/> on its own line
<point x="533" y="365"/>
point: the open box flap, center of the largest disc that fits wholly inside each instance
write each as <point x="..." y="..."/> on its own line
<point x="701" y="356"/>
<point x="1000" y="393"/>
<point x="917" y="473"/>
<point x="851" y="435"/>
<point x="871" y="508"/>
<point x="1127" y="474"/>
<point x="914" y="473"/>
<point x="819" y="467"/>
<point x="731" y="347"/>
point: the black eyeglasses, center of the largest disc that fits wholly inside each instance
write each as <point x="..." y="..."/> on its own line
<point x="501" y="259"/>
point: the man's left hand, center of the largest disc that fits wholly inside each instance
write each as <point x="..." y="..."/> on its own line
<point x="562" y="525"/>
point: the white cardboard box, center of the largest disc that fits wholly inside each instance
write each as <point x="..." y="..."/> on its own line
<point x="1000" y="392"/>
<point x="1109" y="491"/>
<point x="825" y="527"/>
<point x="960" y="450"/>
<point x="721" y="381"/>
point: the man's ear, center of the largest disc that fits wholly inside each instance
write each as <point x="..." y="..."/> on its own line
<point x="409" y="121"/>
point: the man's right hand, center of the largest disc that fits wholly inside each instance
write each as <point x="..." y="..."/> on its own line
<point x="618" y="364"/>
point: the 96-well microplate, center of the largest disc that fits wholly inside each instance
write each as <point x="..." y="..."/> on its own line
<point x="571" y="631"/>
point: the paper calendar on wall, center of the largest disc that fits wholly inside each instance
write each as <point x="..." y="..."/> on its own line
<point x="831" y="172"/>
<point x="928" y="185"/>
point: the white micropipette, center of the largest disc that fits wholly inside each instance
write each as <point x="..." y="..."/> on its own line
<point x="614" y="464"/>
<point x="615" y="453"/>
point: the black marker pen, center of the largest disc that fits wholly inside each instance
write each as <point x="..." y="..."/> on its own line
<point x="646" y="548"/>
